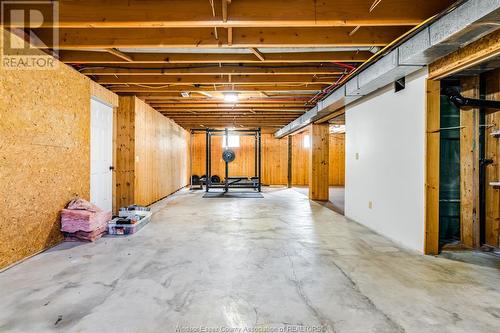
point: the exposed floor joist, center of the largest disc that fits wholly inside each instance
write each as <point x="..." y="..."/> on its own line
<point x="184" y="56"/>
<point x="95" y="57"/>
<point x="107" y="38"/>
<point x="255" y="13"/>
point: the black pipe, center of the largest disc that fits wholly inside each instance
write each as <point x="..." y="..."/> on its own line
<point x="460" y="101"/>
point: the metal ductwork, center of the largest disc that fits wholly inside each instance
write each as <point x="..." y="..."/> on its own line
<point x="463" y="25"/>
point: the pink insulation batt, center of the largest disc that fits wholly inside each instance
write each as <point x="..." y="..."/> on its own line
<point x="83" y="220"/>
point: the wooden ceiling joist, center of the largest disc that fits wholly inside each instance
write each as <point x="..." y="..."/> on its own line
<point x="93" y="57"/>
<point x="127" y="46"/>
<point x="242" y="100"/>
<point x="215" y="70"/>
<point x="223" y="106"/>
<point x="240" y="109"/>
<point x="151" y="89"/>
<point x="244" y="13"/>
<point x="208" y="79"/>
<point x="107" y="38"/>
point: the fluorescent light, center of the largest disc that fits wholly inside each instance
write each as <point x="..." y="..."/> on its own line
<point x="230" y="97"/>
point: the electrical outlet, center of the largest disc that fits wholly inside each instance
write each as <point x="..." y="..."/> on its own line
<point x="370" y="204"/>
<point x="357" y="156"/>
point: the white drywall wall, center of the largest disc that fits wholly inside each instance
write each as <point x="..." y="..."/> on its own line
<point x="386" y="130"/>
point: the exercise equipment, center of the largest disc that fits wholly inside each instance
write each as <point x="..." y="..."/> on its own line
<point x="228" y="156"/>
<point x="195" y="180"/>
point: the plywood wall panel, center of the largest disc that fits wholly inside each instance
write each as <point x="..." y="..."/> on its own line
<point x="125" y="151"/>
<point x="337" y="160"/>
<point x="274" y="160"/>
<point x="300" y="160"/>
<point x="44" y="155"/>
<point x="161" y="155"/>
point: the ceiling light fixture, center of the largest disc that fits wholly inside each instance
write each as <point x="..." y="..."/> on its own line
<point x="230" y="97"/>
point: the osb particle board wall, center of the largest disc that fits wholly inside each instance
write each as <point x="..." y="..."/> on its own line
<point x="152" y="154"/>
<point x="274" y="158"/>
<point x="300" y="160"/>
<point x="44" y="155"/>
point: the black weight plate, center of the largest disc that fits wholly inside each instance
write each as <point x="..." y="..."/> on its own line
<point x="228" y="155"/>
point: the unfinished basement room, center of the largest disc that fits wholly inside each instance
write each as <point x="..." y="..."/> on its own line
<point x="250" y="166"/>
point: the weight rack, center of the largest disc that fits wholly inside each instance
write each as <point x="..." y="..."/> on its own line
<point x="232" y="182"/>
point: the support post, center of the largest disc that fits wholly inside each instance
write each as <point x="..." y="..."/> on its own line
<point x="319" y="159"/>
<point x="208" y="142"/>
<point x="290" y="149"/>
<point x="259" y="138"/>
<point x="469" y="166"/>
<point x="433" y="137"/>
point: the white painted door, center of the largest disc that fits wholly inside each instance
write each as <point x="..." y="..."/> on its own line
<point x="101" y="154"/>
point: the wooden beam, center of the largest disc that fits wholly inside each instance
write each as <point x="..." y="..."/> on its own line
<point x="207" y="79"/>
<point x="298" y="110"/>
<point x="174" y="97"/>
<point x="258" y="54"/>
<point x="184" y="69"/>
<point x="492" y="172"/>
<point x="133" y="89"/>
<point x="332" y="115"/>
<point x="319" y="162"/>
<point x="432" y="142"/>
<point x="120" y="54"/>
<point x="106" y="38"/>
<point x="226" y="105"/>
<point x="238" y="114"/>
<point x="244" y="13"/>
<point x="94" y="57"/>
<point x="469" y="167"/>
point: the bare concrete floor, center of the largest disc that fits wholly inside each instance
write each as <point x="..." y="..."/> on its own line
<point x="336" y="197"/>
<point x="280" y="261"/>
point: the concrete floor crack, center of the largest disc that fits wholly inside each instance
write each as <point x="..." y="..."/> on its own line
<point x="328" y="324"/>
<point x="356" y="288"/>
